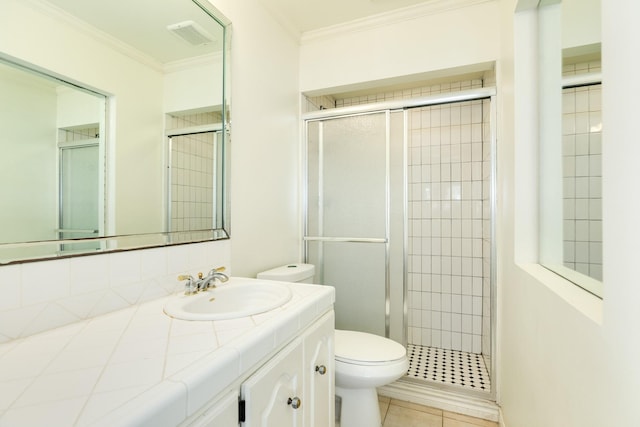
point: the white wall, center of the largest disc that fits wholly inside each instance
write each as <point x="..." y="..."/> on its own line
<point x="265" y="141"/>
<point x="27" y="189"/>
<point x="567" y="359"/>
<point x="422" y="42"/>
<point x="180" y="92"/>
<point x="621" y="206"/>
<point x="550" y="353"/>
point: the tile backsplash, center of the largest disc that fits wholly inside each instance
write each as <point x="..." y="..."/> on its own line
<point x="39" y="296"/>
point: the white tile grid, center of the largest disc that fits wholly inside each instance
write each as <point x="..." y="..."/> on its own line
<point x="316" y="103"/>
<point x="410" y="93"/>
<point x="582" y="180"/>
<point x="79" y="373"/>
<point x="192" y="182"/>
<point x="448" y="235"/>
<point x="594" y="66"/>
<point x="80" y="288"/>
<point x="451" y="367"/>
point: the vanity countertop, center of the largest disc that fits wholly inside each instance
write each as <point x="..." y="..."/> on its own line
<point x="138" y="366"/>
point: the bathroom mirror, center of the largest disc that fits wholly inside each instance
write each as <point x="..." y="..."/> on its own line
<point x="571" y="142"/>
<point x="115" y="126"/>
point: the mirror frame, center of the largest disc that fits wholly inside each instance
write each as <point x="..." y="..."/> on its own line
<point x="119" y="243"/>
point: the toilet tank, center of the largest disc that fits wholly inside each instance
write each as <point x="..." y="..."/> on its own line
<point x="300" y="273"/>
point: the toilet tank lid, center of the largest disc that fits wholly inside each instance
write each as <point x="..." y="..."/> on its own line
<point x="289" y="273"/>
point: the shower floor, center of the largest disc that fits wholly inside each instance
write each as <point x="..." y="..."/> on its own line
<point x="451" y="367"/>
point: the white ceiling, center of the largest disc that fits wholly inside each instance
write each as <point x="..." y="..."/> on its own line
<point x="307" y="15"/>
<point x="143" y="25"/>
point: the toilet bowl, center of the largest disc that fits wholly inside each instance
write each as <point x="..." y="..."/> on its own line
<point x="363" y="361"/>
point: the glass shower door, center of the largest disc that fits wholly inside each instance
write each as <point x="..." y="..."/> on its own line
<point x="79" y="215"/>
<point x="347" y="216"/>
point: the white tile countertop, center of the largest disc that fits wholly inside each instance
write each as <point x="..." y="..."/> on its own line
<point x="138" y="366"/>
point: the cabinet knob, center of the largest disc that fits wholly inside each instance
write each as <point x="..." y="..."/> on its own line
<point x="295" y="402"/>
<point x="321" y="369"/>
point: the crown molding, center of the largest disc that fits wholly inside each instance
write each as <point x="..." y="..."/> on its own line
<point x="100" y="36"/>
<point x="383" y="19"/>
<point x="196" y="61"/>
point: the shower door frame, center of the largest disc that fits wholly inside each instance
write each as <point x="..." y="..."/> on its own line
<point x="389" y="107"/>
<point x="384" y="240"/>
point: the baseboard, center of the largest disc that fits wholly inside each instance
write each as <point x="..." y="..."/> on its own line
<point x="501" y="423"/>
<point x="442" y="399"/>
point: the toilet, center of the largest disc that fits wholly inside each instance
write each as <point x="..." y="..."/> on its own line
<point x="363" y="361"/>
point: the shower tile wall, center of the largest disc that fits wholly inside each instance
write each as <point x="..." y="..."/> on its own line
<point x="192" y="174"/>
<point x="69" y="135"/>
<point x="412" y="93"/>
<point x="317" y="103"/>
<point x="449" y="245"/>
<point x="582" y="174"/>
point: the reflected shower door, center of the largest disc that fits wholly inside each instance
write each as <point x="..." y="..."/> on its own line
<point x="193" y="174"/>
<point x="347" y="216"/>
<point x="79" y="195"/>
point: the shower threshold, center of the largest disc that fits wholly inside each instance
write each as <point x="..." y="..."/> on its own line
<point x="448" y="368"/>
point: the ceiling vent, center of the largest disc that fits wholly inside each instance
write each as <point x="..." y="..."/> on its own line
<point x="191" y="32"/>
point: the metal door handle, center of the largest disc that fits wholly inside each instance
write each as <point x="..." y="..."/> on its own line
<point x="321" y="369"/>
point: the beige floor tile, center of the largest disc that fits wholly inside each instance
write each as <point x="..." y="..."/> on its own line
<point x="383" y="402"/>
<point x="416" y="407"/>
<point x="398" y="416"/>
<point x="451" y="419"/>
<point x="384" y="399"/>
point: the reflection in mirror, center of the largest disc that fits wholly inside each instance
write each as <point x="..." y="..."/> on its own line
<point x="582" y="167"/>
<point x="571" y="142"/>
<point x="52" y="166"/>
<point x="115" y="131"/>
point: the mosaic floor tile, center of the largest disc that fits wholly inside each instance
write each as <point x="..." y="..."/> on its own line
<point x="453" y="367"/>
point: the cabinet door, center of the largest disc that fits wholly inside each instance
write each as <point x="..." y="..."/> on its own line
<point x="319" y="373"/>
<point x="224" y="413"/>
<point x="274" y="394"/>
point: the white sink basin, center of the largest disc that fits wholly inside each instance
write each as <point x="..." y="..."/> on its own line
<point x="235" y="298"/>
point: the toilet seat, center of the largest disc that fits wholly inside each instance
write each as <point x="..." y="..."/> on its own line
<point x="361" y="348"/>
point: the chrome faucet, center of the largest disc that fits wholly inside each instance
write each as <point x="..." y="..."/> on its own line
<point x="213" y="275"/>
<point x="202" y="283"/>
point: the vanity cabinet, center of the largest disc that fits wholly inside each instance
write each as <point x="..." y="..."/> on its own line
<point x="221" y="414"/>
<point x="295" y="388"/>
<point x="319" y="374"/>
<point x="274" y="395"/>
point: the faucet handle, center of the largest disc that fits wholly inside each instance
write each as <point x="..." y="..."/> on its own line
<point x="190" y="288"/>
<point x="217" y="270"/>
<point x="200" y="275"/>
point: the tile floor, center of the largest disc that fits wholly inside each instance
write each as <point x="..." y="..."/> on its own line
<point x="397" y="413"/>
<point x="458" y="368"/>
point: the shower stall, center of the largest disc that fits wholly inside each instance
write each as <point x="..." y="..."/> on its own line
<point x="399" y="201"/>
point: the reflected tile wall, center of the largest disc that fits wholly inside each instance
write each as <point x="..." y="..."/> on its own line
<point x="582" y="174"/>
<point x="192" y="173"/>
